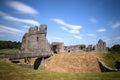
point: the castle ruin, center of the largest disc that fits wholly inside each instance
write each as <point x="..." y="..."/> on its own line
<point x="57" y="47"/>
<point x="99" y="47"/>
<point x="35" y="40"/>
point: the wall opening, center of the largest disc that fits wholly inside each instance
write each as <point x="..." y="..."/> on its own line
<point x="54" y="48"/>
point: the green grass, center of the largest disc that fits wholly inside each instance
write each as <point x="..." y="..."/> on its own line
<point x="110" y="58"/>
<point x="10" y="71"/>
<point x="9" y="50"/>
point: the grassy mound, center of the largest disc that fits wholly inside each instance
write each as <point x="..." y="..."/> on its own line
<point x="73" y="63"/>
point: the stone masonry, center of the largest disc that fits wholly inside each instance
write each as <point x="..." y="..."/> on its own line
<point x="57" y="47"/>
<point x="35" y="40"/>
<point x="99" y="47"/>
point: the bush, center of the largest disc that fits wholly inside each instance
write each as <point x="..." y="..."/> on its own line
<point x="115" y="48"/>
<point x="117" y="65"/>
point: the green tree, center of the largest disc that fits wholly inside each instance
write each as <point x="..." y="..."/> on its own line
<point x="115" y="48"/>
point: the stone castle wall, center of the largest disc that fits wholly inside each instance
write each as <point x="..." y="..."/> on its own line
<point x="99" y="47"/>
<point x="57" y="47"/>
<point x="35" y="40"/>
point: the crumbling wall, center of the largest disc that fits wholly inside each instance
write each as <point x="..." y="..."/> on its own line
<point x="101" y="46"/>
<point x="57" y="47"/>
<point x="35" y="40"/>
<point x="76" y="48"/>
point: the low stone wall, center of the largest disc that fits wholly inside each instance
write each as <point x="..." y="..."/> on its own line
<point x="41" y="62"/>
<point x="103" y="67"/>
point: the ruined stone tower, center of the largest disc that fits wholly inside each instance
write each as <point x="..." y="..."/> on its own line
<point x="35" y="40"/>
<point x="100" y="46"/>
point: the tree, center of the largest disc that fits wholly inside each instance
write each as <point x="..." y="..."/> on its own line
<point x="10" y="45"/>
<point x="115" y="48"/>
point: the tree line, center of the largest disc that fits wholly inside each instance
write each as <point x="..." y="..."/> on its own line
<point x="10" y="45"/>
<point x="115" y="48"/>
<point x="17" y="45"/>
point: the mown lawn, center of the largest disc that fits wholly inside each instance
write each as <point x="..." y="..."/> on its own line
<point x="10" y="71"/>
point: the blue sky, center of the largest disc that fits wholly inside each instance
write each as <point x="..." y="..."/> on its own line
<point x="69" y="21"/>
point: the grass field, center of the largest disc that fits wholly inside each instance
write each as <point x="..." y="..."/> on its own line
<point x="10" y="71"/>
<point x="110" y="58"/>
<point x="9" y="50"/>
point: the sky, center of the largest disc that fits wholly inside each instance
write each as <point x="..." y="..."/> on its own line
<point x="69" y="21"/>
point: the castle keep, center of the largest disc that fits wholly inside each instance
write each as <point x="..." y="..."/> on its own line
<point x="35" y="40"/>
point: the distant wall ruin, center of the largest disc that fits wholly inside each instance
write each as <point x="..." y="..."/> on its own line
<point x="57" y="47"/>
<point x="99" y="47"/>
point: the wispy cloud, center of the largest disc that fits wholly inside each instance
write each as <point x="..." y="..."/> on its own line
<point x="64" y="28"/>
<point x="21" y="7"/>
<point x="6" y="29"/>
<point x="26" y="27"/>
<point x="93" y="20"/>
<point x="63" y="23"/>
<point x="15" y="19"/>
<point x="91" y="35"/>
<point x="116" y="24"/>
<point x="101" y="30"/>
<point x="27" y="21"/>
<point x="74" y="29"/>
<point x="78" y="37"/>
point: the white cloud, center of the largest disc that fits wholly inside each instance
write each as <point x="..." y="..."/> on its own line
<point x="64" y="28"/>
<point x="74" y="31"/>
<point x="61" y="22"/>
<point x="15" y="19"/>
<point x="27" y="21"/>
<point x="26" y="27"/>
<point x="10" y="30"/>
<point x="78" y="37"/>
<point x="91" y="35"/>
<point x="116" y="24"/>
<point x="21" y="7"/>
<point x="101" y="30"/>
<point x="93" y="20"/>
